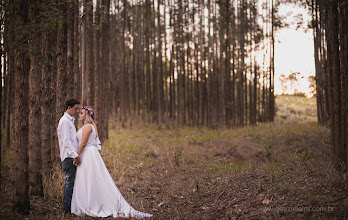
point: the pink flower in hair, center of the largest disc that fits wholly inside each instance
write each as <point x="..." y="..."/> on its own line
<point x="89" y="110"/>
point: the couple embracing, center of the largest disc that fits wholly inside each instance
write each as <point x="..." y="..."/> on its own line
<point x="89" y="188"/>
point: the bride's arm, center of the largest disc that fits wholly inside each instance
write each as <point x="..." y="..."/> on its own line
<point x="86" y="131"/>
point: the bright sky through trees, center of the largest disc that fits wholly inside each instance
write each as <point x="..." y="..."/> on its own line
<point x="294" y="49"/>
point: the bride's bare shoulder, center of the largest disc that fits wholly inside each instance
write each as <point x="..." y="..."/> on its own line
<point x="87" y="128"/>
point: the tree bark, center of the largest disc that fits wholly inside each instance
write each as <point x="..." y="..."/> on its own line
<point x="344" y="73"/>
<point x="21" y="202"/>
<point x="105" y="39"/>
<point x="76" y="56"/>
<point x="70" y="50"/>
<point x="53" y="37"/>
<point x="160" y="70"/>
<point x="47" y="98"/>
<point x="90" y="51"/>
<point x="240" y="80"/>
<point x="271" y="77"/>
<point x="334" y="53"/>
<point x="147" y="45"/>
<point x="35" y="87"/>
<point x="61" y="86"/>
<point x="2" y="75"/>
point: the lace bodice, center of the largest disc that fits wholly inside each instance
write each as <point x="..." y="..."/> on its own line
<point x="93" y="140"/>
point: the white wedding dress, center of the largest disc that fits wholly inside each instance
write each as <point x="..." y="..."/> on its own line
<point x="95" y="193"/>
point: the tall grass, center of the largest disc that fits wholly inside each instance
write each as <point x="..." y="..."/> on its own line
<point x="296" y="108"/>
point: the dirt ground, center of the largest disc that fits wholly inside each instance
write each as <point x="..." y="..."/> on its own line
<point x="270" y="171"/>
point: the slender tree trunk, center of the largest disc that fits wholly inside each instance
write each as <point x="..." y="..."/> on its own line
<point x="53" y="36"/>
<point x="113" y="71"/>
<point x="61" y="86"/>
<point x="47" y="98"/>
<point x="147" y="45"/>
<point x="227" y="75"/>
<point x="172" y="85"/>
<point x="136" y="58"/>
<point x="200" y="70"/>
<point x="98" y="72"/>
<point x="129" y="73"/>
<point x="241" y="71"/>
<point x="232" y="57"/>
<point x="160" y="70"/>
<point x="2" y="76"/>
<point x="344" y="74"/>
<point x="105" y="39"/>
<point x="83" y="56"/>
<point x="122" y="86"/>
<point x="210" y="97"/>
<point x="142" y="64"/>
<point x="166" y="74"/>
<point x="255" y="92"/>
<point x="317" y="43"/>
<point x="76" y="56"/>
<point x="21" y="202"/>
<point x="10" y="67"/>
<point x="90" y="53"/>
<point x="324" y="59"/>
<point x="61" y="62"/>
<point x="70" y="51"/>
<point x="35" y="84"/>
<point x="334" y="53"/>
<point x="221" y="75"/>
<point x="271" y="80"/>
<point x="215" y="86"/>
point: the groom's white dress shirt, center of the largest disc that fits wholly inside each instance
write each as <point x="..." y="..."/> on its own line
<point x="68" y="144"/>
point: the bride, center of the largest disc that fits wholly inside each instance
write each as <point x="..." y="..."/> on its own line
<point x="95" y="193"/>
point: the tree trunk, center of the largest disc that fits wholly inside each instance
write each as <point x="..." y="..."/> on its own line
<point x="105" y="68"/>
<point x="53" y="37"/>
<point x="172" y="85"/>
<point x="61" y="62"/>
<point x="344" y="74"/>
<point x="334" y="53"/>
<point x="271" y="76"/>
<point x="136" y="58"/>
<point x="47" y="98"/>
<point x="98" y="61"/>
<point x="160" y="70"/>
<point x="10" y="67"/>
<point x="35" y="84"/>
<point x="317" y="44"/>
<point x="21" y="202"/>
<point x="221" y="75"/>
<point x="1" y="94"/>
<point x="61" y="86"/>
<point x="147" y="45"/>
<point x="76" y="52"/>
<point x="240" y="80"/>
<point x="70" y="51"/>
<point x="90" y="51"/>
<point x="123" y="70"/>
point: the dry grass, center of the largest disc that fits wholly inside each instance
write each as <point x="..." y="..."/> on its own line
<point x="296" y="108"/>
<point x="190" y="173"/>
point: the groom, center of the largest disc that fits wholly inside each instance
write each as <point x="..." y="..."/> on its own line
<point x="68" y="146"/>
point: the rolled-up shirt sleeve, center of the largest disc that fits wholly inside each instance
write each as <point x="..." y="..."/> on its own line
<point x="67" y="144"/>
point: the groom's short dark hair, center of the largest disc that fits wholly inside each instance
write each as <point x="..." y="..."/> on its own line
<point x="71" y="102"/>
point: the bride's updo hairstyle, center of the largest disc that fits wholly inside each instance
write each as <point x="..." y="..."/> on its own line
<point x="90" y="117"/>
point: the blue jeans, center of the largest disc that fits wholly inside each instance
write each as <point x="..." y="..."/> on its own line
<point x="70" y="170"/>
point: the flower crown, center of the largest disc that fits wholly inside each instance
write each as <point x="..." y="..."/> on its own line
<point x="89" y="110"/>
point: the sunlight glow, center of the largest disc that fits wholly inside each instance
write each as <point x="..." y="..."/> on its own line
<point x="294" y="51"/>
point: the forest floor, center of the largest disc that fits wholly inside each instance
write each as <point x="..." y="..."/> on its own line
<point x="279" y="170"/>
